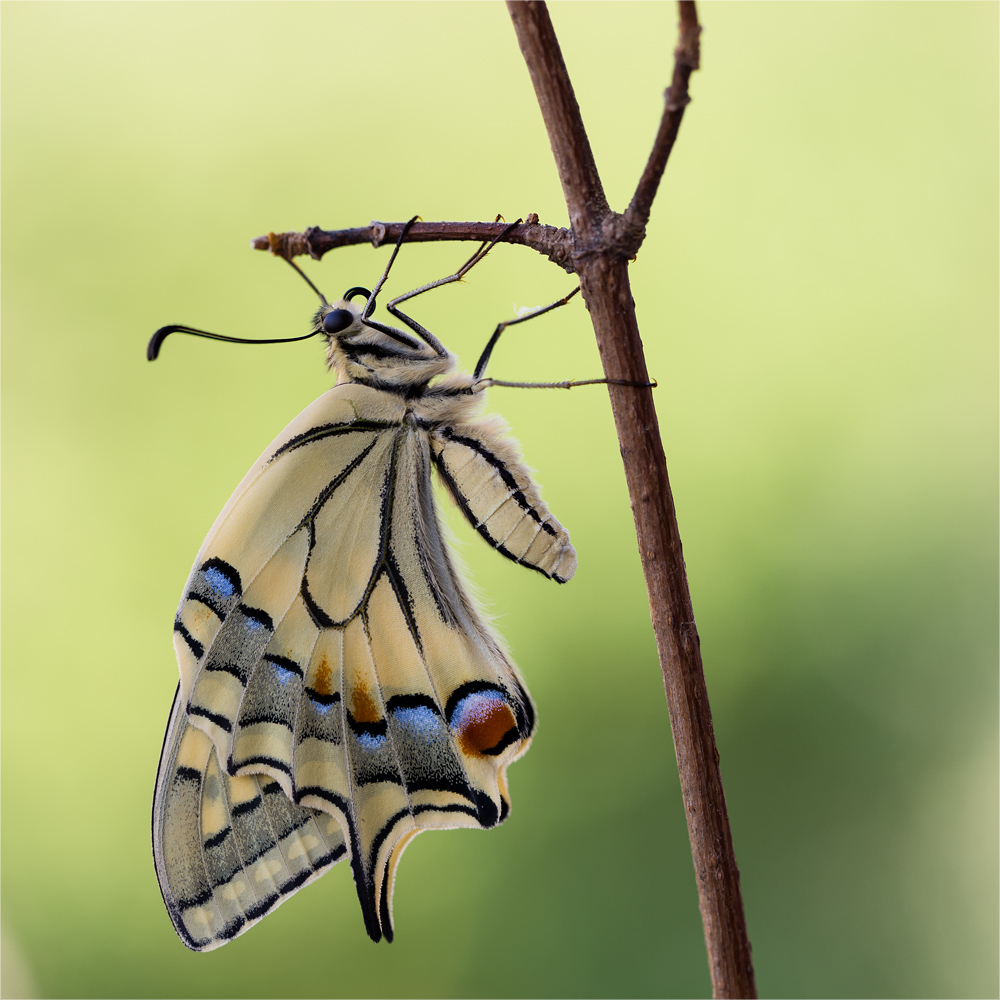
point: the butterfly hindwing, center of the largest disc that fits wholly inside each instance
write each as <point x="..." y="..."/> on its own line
<point x="229" y="849"/>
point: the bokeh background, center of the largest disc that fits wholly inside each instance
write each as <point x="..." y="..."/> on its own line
<point x="818" y="299"/>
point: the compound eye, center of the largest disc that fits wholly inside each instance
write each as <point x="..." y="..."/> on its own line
<point x="337" y="320"/>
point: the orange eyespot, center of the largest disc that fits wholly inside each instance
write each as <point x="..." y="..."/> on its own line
<point x="484" y="723"/>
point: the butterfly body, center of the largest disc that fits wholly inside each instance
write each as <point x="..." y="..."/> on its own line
<point x="340" y="691"/>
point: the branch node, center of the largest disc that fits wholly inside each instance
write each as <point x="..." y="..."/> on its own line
<point x="310" y="249"/>
<point x="674" y="104"/>
<point x="688" y="50"/>
<point x="618" y="236"/>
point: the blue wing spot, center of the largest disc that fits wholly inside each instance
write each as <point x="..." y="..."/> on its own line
<point x="420" y="721"/>
<point x="370" y="741"/>
<point x="322" y="703"/>
<point x="281" y="675"/>
<point x="219" y="582"/>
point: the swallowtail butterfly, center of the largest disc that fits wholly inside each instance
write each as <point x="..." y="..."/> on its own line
<point x="339" y="690"/>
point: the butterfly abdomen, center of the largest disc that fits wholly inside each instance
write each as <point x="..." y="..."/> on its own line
<point x="494" y="490"/>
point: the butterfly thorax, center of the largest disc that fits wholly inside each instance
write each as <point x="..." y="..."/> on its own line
<point x="401" y="364"/>
<point x="366" y="354"/>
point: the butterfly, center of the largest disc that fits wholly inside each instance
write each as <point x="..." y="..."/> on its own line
<point x="339" y="691"/>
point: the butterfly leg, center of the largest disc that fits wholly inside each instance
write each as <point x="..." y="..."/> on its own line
<point x="417" y="328"/>
<point x="484" y="358"/>
<point x="485" y="383"/>
<point x="370" y="305"/>
<point x="366" y="319"/>
<point x="481" y="252"/>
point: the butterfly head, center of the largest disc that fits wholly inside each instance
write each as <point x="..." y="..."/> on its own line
<point x="360" y="349"/>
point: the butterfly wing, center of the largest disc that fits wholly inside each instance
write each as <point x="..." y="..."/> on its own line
<point x="228" y="850"/>
<point x="482" y="469"/>
<point x="328" y="648"/>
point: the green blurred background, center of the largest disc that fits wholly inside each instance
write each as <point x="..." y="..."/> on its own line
<point x="818" y="299"/>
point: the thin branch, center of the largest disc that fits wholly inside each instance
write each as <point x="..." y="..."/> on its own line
<point x="604" y="280"/>
<point x="687" y="57"/>
<point x="550" y="241"/>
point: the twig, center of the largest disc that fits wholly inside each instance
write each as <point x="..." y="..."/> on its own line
<point x="604" y="280"/>
<point x="554" y="243"/>
<point x="686" y="60"/>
